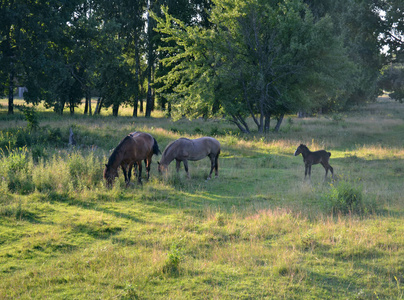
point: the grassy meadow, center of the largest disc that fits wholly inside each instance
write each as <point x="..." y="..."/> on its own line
<point x="258" y="231"/>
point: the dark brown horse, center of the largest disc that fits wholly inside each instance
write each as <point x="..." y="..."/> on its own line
<point x="133" y="149"/>
<point x="185" y="149"/>
<point x="311" y="158"/>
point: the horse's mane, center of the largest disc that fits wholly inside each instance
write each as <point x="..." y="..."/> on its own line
<point x="171" y="144"/>
<point x="117" y="149"/>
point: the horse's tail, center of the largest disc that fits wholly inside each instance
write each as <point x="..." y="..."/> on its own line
<point x="329" y="154"/>
<point x="156" y="149"/>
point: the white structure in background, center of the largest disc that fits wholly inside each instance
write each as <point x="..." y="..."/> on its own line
<point x="21" y="91"/>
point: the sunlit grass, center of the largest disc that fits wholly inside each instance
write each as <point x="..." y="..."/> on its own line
<point x="259" y="231"/>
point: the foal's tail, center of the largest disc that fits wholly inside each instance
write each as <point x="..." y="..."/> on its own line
<point x="156" y="149"/>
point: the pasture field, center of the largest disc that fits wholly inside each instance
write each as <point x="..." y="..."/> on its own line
<point x="259" y="231"/>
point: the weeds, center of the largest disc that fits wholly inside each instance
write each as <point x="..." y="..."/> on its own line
<point x="257" y="232"/>
<point x="344" y="197"/>
<point x="174" y="258"/>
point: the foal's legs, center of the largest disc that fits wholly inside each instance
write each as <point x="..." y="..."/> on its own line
<point x="327" y="167"/>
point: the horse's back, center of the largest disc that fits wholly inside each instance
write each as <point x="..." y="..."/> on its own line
<point x="323" y="155"/>
<point x="210" y="141"/>
<point x="138" y="145"/>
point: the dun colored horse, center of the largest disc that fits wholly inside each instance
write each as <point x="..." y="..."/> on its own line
<point x="311" y="158"/>
<point x="133" y="149"/>
<point x="185" y="149"/>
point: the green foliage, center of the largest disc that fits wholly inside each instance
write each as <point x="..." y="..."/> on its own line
<point x="257" y="231"/>
<point x="392" y="81"/>
<point x="32" y="118"/>
<point x="292" y="60"/>
<point x="15" y="169"/>
<point x="344" y="197"/>
<point x="174" y="258"/>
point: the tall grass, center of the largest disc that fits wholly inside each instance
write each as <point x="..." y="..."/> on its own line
<point x="259" y="231"/>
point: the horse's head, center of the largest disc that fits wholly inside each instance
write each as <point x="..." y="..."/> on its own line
<point x="110" y="174"/>
<point x="300" y="149"/>
<point x="161" y="167"/>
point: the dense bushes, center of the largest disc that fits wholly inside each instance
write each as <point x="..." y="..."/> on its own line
<point x="20" y="137"/>
<point x="62" y="171"/>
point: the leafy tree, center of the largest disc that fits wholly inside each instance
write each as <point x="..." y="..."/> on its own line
<point x="392" y="20"/>
<point x="392" y="80"/>
<point x="259" y="59"/>
<point x="358" y="24"/>
<point x="12" y="14"/>
<point x="52" y="70"/>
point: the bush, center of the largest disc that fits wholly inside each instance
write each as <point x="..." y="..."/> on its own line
<point x="31" y="116"/>
<point x="174" y="257"/>
<point x="345" y="198"/>
<point x="15" y="170"/>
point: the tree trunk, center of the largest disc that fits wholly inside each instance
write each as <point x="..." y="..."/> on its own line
<point x="98" y="106"/>
<point x="61" y="107"/>
<point x="11" y="91"/>
<point x="267" y="122"/>
<point x="279" y="122"/>
<point x="261" y="124"/>
<point x="115" y="109"/>
<point x="149" y="97"/>
<point x="88" y="100"/>
<point x="87" y="107"/>
<point x="137" y="72"/>
<point x="240" y="123"/>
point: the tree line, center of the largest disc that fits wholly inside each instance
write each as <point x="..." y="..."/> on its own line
<point x="201" y="58"/>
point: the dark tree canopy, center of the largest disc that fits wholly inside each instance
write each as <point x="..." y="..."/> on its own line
<point x="240" y="59"/>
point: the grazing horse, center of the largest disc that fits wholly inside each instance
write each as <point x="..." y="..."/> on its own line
<point x="311" y="158"/>
<point x="185" y="149"/>
<point x="133" y="149"/>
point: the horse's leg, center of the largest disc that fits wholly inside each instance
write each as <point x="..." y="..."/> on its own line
<point x="186" y="167"/>
<point x="212" y="165"/>
<point x="124" y="173"/>
<point x="306" y="168"/>
<point x="129" y="174"/>
<point x="332" y="171"/>
<point x="217" y="165"/>
<point x="135" y="170"/>
<point x="326" y="167"/>
<point x="147" y="163"/>
<point x="178" y="165"/>
<point x="139" y="165"/>
<point x="309" y="172"/>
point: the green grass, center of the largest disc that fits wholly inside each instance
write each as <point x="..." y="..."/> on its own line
<point x="259" y="231"/>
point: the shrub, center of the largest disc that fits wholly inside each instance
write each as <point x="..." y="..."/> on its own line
<point x="84" y="171"/>
<point x="31" y="116"/>
<point x="15" y="170"/>
<point x="174" y="257"/>
<point x="345" y="198"/>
